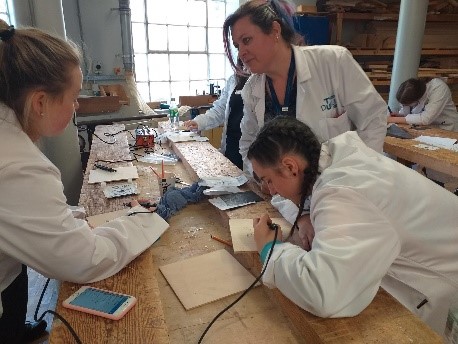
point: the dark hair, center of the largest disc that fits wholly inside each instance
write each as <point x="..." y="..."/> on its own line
<point x="32" y="59"/>
<point x="411" y="91"/>
<point x="284" y="135"/>
<point x="262" y="14"/>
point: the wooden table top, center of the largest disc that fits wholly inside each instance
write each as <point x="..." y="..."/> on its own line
<point x="262" y="316"/>
<point x="442" y="160"/>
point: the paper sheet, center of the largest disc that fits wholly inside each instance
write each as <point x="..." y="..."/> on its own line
<point x="206" y="278"/>
<point x="442" y="142"/>
<point x="242" y="233"/>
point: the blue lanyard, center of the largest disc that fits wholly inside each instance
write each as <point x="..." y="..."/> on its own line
<point x="289" y="86"/>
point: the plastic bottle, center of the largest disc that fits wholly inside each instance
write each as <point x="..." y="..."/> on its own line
<point x="173" y="115"/>
<point x="451" y="327"/>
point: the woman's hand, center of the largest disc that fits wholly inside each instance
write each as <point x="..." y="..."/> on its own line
<point x="262" y="232"/>
<point x="145" y="203"/>
<point x="191" y="125"/>
<point x="306" y="232"/>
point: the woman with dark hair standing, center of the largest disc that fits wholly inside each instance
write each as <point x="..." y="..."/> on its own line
<point x="426" y="103"/>
<point x="372" y="224"/>
<point x="40" y="79"/>
<point x="322" y="86"/>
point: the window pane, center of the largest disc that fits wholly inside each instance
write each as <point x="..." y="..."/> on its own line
<point x="143" y="89"/>
<point x="160" y="91"/>
<point x="157" y="35"/>
<point x="197" y="39"/>
<point x="177" y="11"/>
<point x="180" y="89"/>
<point x="231" y="6"/>
<point x="198" y="87"/>
<point x="216" y="13"/>
<point x="178" y="38"/>
<point x="155" y="11"/>
<point x="197" y="13"/>
<point x="158" y="67"/>
<point x="137" y="10"/>
<point x="217" y="66"/>
<point x="4" y="16"/>
<point x="215" y="40"/>
<point x="198" y="64"/>
<point x="141" y="67"/>
<point x="139" y="37"/>
<point x="179" y="67"/>
<point x="3" y="6"/>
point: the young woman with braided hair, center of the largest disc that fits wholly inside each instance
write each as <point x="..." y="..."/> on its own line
<point x="372" y="226"/>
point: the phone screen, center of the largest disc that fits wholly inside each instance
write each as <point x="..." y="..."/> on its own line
<point x="99" y="300"/>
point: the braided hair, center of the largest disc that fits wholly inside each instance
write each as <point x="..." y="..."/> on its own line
<point x="284" y="135"/>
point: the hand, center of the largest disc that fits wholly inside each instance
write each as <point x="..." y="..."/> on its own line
<point x="262" y="232"/>
<point x="191" y="125"/>
<point x="145" y="203"/>
<point x="306" y="231"/>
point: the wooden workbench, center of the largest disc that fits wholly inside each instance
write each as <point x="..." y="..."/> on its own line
<point x="442" y="160"/>
<point x="262" y="316"/>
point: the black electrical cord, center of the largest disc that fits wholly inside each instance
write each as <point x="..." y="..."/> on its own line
<point x="61" y="318"/>
<point x="246" y="291"/>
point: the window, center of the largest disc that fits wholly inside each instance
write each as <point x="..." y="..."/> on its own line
<point x="178" y="46"/>
<point x="4" y="12"/>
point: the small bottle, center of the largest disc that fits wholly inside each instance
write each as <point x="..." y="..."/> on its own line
<point x="451" y="327"/>
<point x="173" y="115"/>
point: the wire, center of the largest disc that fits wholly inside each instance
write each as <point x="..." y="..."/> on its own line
<point x="244" y="293"/>
<point x="61" y="318"/>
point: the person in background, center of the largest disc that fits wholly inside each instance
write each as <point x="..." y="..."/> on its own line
<point x="372" y="223"/>
<point x="426" y="103"/>
<point x="322" y="86"/>
<point x="227" y="110"/>
<point x="40" y="79"/>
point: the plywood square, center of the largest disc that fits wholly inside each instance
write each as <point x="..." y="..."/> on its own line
<point x="242" y="233"/>
<point x="98" y="220"/>
<point x="206" y="278"/>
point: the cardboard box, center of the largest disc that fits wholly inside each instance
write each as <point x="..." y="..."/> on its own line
<point x="98" y="104"/>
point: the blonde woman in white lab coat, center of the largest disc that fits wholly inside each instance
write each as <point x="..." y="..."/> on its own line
<point x="40" y="79"/>
<point x="322" y="86"/>
<point x="373" y="226"/>
<point x="426" y="103"/>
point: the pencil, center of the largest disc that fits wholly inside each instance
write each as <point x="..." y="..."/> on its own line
<point x="152" y="169"/>
<point x="228" y="243"/>
<point x="162" y="168"/>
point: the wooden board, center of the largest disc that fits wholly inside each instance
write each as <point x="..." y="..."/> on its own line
<point x="203" y="279"/>
<point x="242" y="233"/>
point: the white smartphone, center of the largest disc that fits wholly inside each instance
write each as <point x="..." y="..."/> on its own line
<point x="100" y="302"/>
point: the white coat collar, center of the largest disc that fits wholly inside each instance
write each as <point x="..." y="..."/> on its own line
<point x="7" y="115"/>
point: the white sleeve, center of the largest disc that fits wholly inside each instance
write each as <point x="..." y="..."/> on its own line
<point x="43" y="234"/>
<point x="439" y="96"/>
<point x="216" y="115"/>
<point x="363" y="104"/>
<point x="353" y="248"/>
<point x="249" y="124"/>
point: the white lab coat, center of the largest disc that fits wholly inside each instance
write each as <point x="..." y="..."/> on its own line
<point x="436" y="107"/>
<point x="327" y="76"/>
<point x="37" y="227"/>
<point x="374" y="226"/>
<point x="218" y="114"/>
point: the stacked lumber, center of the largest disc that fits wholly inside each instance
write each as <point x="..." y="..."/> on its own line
<point x="382" y="35"/>
<point x="382" y="6"/>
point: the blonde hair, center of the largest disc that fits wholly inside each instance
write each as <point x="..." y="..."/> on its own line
<point x="30" y="60"/>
